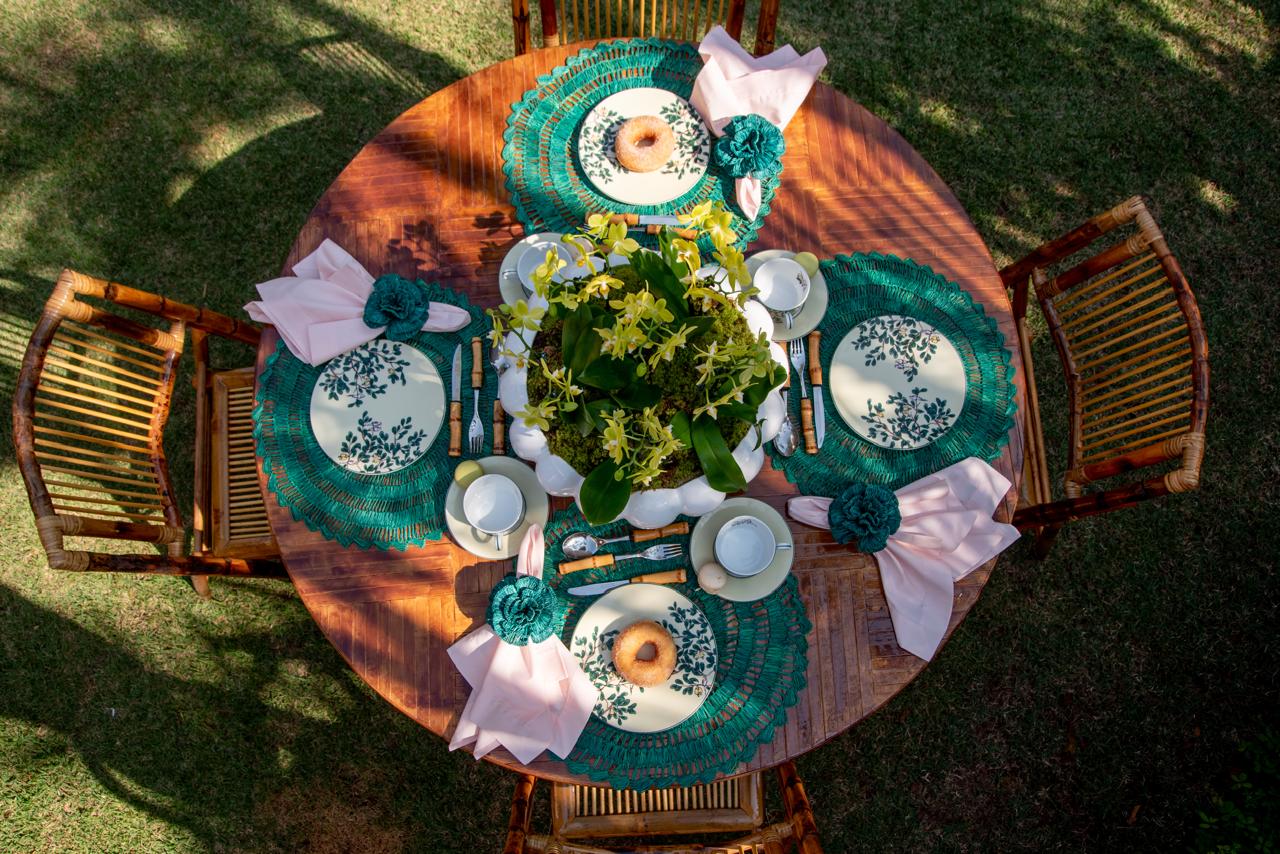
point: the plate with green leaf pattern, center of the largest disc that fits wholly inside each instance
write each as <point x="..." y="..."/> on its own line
<point x="897" y="382"/>
<point x="377" y="408"/>
<point x="631" y="707"/>
<point x="680" y="174"/>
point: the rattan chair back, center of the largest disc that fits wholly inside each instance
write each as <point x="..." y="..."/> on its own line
<point x="566" y="21"/>
<point x="92" y="400"/>
<point x="1134" y="354"/>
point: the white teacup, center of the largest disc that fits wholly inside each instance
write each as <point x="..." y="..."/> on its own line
<point x="783" y="284"/>
<point x="494" y="505"/>
<point x="745" y="546"/>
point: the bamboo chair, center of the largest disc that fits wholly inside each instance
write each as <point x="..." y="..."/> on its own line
<point x="1133" y="349"/>
<point x="581" y="815"/>
<point x="92" y="400"/>
<point x="568" y="21"/>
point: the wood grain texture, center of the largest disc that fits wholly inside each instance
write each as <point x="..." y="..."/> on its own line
<point x="425" y="198"/>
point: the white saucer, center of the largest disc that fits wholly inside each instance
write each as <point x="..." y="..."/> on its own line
<point x="377" y="408"/>
<point x="536" y="510"/>
<point x="810" y="314"/>
<point x="702" y="548"/>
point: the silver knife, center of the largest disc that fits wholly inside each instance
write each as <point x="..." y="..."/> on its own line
<point x="659" y="219"/>
<point x="815" y="375"/>
<point x="455" y="404"/>
<point x="670" y="576"/>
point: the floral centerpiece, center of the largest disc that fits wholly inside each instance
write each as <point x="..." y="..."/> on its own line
<point x="642" y="382"/>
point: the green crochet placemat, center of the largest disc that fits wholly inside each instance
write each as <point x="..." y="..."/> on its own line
<point x="762" y="659"/>
<point x="863" y="286"/>
<point x="548" y="186"/>
<point x="384" y="511"/>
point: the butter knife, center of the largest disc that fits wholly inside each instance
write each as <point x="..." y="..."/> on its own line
<point x="455" y="404"/>
<point x="671" y="576"/>
<point x="815" y="380"/>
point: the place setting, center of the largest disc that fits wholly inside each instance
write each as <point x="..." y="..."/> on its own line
<point x="377" y="367"/>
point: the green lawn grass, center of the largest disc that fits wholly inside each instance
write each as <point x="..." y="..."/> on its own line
<point x="1090" y="702"/>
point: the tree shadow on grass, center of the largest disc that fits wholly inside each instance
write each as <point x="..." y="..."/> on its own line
<point x="266" y="742"/>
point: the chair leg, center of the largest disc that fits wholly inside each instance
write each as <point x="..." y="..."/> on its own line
<point x="1044" y="541"/>
<point x="521" y="811"/>
<point x="201" y="585"/>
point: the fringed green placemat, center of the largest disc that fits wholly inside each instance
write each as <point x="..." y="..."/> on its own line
<point x="864" y="286"/>
<point x="760" y="669"/>
<point x="384" y="511"/>
<point x="548" y="186"/>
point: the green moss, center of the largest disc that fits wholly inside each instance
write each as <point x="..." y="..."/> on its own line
<point x="678" y="379"/>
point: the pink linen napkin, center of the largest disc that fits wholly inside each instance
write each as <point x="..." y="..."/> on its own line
<point x="319" y="310"/>
<point x="526" y="698"/>
<point x="946" y="532"/>
<point x="732" y="83"/>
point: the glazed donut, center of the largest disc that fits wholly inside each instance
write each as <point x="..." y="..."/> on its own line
<point x="644" y="144"/>
<point x="647" y="671"/>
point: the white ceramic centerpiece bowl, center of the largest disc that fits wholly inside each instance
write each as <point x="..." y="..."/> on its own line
<point x="649" y="508"/>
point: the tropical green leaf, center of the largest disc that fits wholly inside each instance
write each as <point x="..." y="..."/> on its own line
<point x="603" y="496"/>
<point x="597" y="409"/>
<point x="681" y="427"/>
<point x="662" y="282"/>
<point x="718" y="464"/>
<point x="701" y="324"/>
<point x="579" y="342"/>
<point x="638" y="395"/>
<point x="607" y="373"/>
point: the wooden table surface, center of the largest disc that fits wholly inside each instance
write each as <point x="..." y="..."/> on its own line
<point x="425" y="199"/>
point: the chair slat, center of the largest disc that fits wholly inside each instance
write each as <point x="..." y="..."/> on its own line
<point x="1075" y="301"/>
<point x="138" y="435"/>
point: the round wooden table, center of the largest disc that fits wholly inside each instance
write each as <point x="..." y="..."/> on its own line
<point x="425" y="199"/>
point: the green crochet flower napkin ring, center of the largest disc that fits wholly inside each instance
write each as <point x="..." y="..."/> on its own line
<point x="865" y="514"/>
<point x="524" y="609"/>
<point x="752" y="146"/>
<point x="398" y="304"/>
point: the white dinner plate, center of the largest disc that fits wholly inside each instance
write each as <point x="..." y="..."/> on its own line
<point x="702" y="548"/>
<point x="897" y="382"/>
<point x="377" y="408"/>
<point x="681" y="173"/>
<point x="624" y="704"/>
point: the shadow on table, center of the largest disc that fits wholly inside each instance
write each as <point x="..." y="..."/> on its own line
<point x="275" y="744"/>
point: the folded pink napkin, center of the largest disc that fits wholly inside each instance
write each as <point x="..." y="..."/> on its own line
<point x="946" y="532"/>
<point x="527" y="698"/>
<point x="732" y="83"/>
<point x="319" y="310"/>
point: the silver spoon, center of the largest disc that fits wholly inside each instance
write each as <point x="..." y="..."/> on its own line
<point x="785" y="442"/>
<point x="585" y="545"/>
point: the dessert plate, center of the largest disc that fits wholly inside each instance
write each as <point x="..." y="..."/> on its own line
<point x="681" y="173"/>
<point x="897" y="382"/>
<point x="628" y="706"/>
<point x="377" y="408"/>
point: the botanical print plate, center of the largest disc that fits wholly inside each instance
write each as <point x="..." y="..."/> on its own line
<point x="702" y="548"/>
<point x="897" y="382"/>
<point x="628" y="706"/>
<point x="688" y="161"/>
<point x="376" y="409"/>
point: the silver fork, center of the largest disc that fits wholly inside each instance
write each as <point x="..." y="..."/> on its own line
<point x="799" y="360"/>
<point x="475" y="433"/>
<point x="664" y="551"/>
